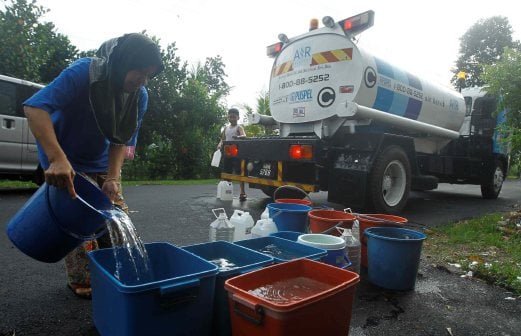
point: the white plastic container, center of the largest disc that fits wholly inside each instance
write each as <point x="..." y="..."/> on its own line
<point x="243" y="223"/>
<point x="221" y="228"/>
<point x="265" y="214"/>
<point x="216" y="158"/>
<point x="225" y="191"/>
<point x="263" y="228"/>
<point x="352" y="250"/>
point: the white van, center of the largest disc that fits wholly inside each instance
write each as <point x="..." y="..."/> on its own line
<point x="18" y="153"/>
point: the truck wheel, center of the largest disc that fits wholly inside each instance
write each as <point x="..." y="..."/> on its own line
<point x="491" y="188"/>
<point x="389" y="181"/>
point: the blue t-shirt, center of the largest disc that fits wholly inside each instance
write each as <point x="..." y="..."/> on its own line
<point x="66" y="99"/>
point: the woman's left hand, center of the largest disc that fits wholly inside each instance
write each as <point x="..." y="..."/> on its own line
<point x="112" y="189"/>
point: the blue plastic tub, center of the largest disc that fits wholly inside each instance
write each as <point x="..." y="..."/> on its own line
<point x="289" y="216"/>
<point x="177" y="301"/>
<point x="232" y="260"/>
<point x="289" y="235"/>
<point x="393" y="256"/>
<point x="281" y="249"/>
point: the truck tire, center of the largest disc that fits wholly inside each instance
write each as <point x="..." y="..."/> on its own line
<point x="491" y="188"/>
<point x="390" y="181"/>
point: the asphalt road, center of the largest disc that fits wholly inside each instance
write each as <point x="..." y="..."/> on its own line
<point x="35" y="301"/>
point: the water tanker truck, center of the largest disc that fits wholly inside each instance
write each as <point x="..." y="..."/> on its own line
<point x="364" y="130"/>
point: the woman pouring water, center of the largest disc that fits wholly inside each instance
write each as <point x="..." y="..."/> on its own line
<point x="85" y="119"/>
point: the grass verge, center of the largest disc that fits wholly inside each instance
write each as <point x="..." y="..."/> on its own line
<point x="27" y="184"/>
<point x="489" y="246"/>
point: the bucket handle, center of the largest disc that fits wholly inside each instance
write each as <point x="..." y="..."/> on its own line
<point x="218" y="211"/>
<point x="332" y="228"/>
<point x="287" y="186"/>
<point x="174" y="294"/>
<point x="95" y="235"/>
<point x="237" y="301"/>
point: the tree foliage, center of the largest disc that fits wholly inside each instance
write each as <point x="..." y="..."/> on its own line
<point x="263" y="107"/>
<point x="181" y="128"/>
<point x="31" y="49"/>
<point x="482" y="44"/>
<point x="186" y="107"/>
<point x="503" y="79"/>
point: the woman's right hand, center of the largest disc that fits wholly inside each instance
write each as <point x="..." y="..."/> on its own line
<point x="61" y="175"/>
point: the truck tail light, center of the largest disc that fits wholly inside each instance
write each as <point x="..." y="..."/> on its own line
<point x="274" y="49"/>
<point x="358" y="23"/>
<point x="301" y="152"/>
<point x="231" y="150"/>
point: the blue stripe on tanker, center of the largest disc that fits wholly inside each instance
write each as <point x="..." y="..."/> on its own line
<point x="393" y="102"/>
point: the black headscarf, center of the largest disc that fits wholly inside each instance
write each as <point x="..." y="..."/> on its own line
<point x="116" y="111"/>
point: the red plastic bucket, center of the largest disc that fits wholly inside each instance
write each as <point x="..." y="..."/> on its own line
<point x="322" y="220"/>
<point x="380" y="220"/>
<point x="294" y="201"/>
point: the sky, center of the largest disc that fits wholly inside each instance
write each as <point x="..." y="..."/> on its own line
<point x="418" y="36"/>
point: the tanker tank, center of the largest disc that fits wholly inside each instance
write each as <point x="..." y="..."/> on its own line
<point x="322" y="81"/>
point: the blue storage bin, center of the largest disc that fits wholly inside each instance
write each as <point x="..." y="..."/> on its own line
<point x="233" y="260"/>
<point x="281" y="249"/>
<point x="289" y="235"/>
<point x="177" y="301"/>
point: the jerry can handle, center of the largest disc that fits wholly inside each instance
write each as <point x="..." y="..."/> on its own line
<point x="218" y="211"/>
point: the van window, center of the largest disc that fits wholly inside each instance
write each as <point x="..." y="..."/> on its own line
<point x="8" y="99"/>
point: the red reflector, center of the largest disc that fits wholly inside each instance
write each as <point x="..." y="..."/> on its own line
<point x="231" y="150"/>
<point x="348" y="24"/>
<point x="301" y="152"/>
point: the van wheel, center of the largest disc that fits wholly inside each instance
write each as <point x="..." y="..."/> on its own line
<point x="390" y="181"/>
<point x="491" y="188"/>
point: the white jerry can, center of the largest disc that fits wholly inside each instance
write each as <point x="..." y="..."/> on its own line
<point x="225" y="191"/>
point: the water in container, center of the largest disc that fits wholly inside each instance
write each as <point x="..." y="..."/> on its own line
<point x="221" y="228"/>
<point x="243" y="223"/>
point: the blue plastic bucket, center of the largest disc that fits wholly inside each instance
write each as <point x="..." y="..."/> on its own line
<point x="393" y="256"/>
<point x="232" y="260"/>
<point x="289" y="235"/>
<point x="335" y="247"/>
<point x="51" y="224"/>
<point x="289" y="216"/>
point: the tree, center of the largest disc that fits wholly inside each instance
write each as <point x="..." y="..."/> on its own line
<point x="263" y="107"/>
<point x="181" y="128"/>
<point x="482" y="44"/>
<point x="503" y="80"/>
<point x="30" y="49"/>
